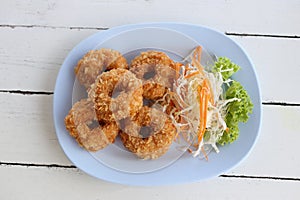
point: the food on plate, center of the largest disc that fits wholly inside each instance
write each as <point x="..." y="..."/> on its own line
<point x="156" y="70"/>
<point x="117" y="94"/>
<point x="150" y="134"/>
<point x="95" y="62"/>
<point x="157" y="102"/>
<point x="211" y="104"/>
<point x="153" y="58"/>
<point x="83" y="125"/>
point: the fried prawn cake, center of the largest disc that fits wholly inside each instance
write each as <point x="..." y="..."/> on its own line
<point x="95" y="62"/>
<point x="157" y="71"/>
<point x="117" y="94"/>
<point x="82" y="124"/>
<point x="149" y="135"/>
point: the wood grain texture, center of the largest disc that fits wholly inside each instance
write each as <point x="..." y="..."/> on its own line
<point x="28" y="134"/>
<point x="268" y="17"/>
<point x="44" y="183"/>
<point x="29" y="137"/>
<point x="277" y="65"/>
<point x="30" y="60"/>
<point x="275" y="153"/>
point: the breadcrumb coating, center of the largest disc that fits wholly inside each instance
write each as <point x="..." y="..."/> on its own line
<point x="156" y="70"/>
<point x="95" y="62"/>
<point x="117" y="94"/>
<point x="160" y="135"/>
<point x="78" y="121"/>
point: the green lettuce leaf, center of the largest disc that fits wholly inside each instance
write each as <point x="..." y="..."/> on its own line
<point x="225" y="67"/>
<point x="238" y="111"/>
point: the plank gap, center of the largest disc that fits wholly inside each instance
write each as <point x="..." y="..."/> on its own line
<point x="37" y="165"/>
<point x="260" y="177"/>
<point x="13" y="26"/>
<point x="26" y="92"/>
<point x="273" y="103"/>
<point x="262" y="35"/>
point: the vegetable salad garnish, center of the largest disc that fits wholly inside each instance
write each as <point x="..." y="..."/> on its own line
<point x="210" y="104"/>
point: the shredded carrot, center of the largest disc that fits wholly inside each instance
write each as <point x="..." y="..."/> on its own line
<point x="197" y="58"/>
<point x="177" y="69"/>
<point x="204" y="153"/>
<point x="201" y="113"/>
<point x="227" y="130"/>
<point x="204" y="96"/>
<point x="197" y="53"/>
<point x="192" y="74"/>
<point x="211" y="99"/>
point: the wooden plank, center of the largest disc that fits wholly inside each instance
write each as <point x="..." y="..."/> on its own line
<point x="28" y="134"/>
<point x="52" y="183"/>
<point x="277" y="65"/>
<point x="30" y="58"/>
<point x="35" y="63"/>
<point x="267" y="17"/>
<point x="29" y="137"/>
<point x="275" y="153"/>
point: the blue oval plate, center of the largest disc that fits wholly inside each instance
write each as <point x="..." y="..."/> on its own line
<point x="186" y="168"/>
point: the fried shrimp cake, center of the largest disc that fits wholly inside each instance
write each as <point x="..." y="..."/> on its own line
<point x="95" y="62"/>
<point x="117" y="94"/>
<point x="149" y="135"/>
<point x="156" y="70"/>
<point x="83" y="125"/>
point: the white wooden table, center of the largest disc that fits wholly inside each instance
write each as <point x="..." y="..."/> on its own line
<point x="35" y="37"/>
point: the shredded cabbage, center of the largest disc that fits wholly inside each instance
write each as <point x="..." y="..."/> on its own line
<point x="227" y="107"/>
